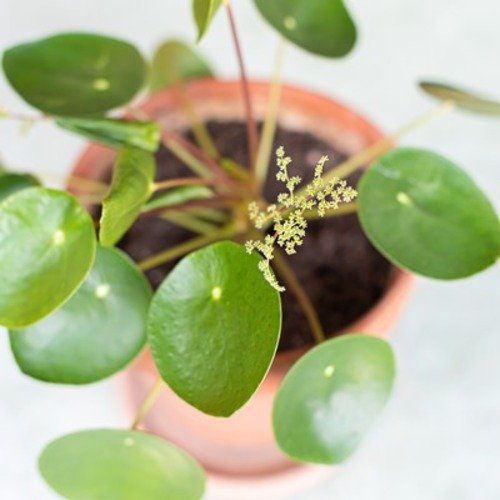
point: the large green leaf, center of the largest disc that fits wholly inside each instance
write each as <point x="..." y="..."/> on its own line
<point x="177" y="196"/>
<point x="117" y="133"/>
<point x="331" y="396"/>
<point x="323" y="27"/>
<point x="426" y="214"/>
<point x="175" y="63"/>
<point x="93" y="335"/>
<point x="214" y="326"/>
<point x="75" y="73"/>
<point x="120" y="465"/>
<point x="10" y="183"/>
<point x="204" y="11"/>
<point x="47" y="247"/>
<point x="465" y="99"/>
<point x="131" y="187"/>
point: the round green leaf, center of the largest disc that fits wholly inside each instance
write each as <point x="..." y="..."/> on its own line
<point x="331" y="396"/>
<point x="214" y="326"/>
<point x="47" y="247"/>
<point x="204" y="11"/>
<point x="120" y="465"/>
<point x="131" y="187"/>
<point x="11" y="183"/>
<point x="427" y="215"/>
<point x="93" y="335"/>
<point x="464" y="99"/>
<point x="323" y="27"/>
<point x="75" y="73"/>
<point x="175" y="63"/>
<point x="116" y="133"/>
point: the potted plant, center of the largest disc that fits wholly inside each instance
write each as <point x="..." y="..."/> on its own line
<point x="79" y="309"/>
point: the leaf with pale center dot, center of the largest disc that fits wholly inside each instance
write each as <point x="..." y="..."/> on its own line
<point x="323" y="27"/>
<point x="10" y="183"/>
<point x="47" y="247"/>
<point x="464" y="99"/>
<point x="175" y="63"/>
<point x="330" y="398"/>
<point x="426" y="214"/>
<point x="75" y="74"/>
<point x="131" y="187"/>
<point x="120" y="465"/>
<point x="204" y="11"/>
<point x="93" y="335"/>
<point x="116" y="133"/>
<point x="214" y="327"/>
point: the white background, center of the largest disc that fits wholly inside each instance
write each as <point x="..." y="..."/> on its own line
<point x="440" y="436"/>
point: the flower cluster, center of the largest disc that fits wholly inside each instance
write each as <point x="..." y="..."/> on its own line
<point x="288" y="216"/>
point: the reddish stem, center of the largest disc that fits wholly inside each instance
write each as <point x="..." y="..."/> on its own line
<point x="252" y="133"/>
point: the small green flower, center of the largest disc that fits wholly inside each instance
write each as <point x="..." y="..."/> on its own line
<point x="287" y="217"/>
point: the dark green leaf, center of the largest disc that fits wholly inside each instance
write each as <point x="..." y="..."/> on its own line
<point x="47" y="247"/>
<point x="177" y="196"/>
<point x="331" y="396"/>
<point x="214" y="326"/>
<point x="75" y="73"/>
<point x="175" y="63"/>
<point x="426" y="214"/>
<point x="117" y="133"/>
<point x="323" y="27"/>
<point x="120" y="465"/>
<point x="204" y="11"/>
<point x="131" y="187"/>
<point x="11" y="183"/>
<point x="93" y="335"/>
<point x="464" y="99"/>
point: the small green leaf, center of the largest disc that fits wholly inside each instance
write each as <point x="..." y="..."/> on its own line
<point x="464" y="99"/>
<point x="10" y="183"/>
<point x="323" y="27"/>
<point x="47" y="247"/>
<point x="427" y="215"/>
<point x="75" y="74"/>
<point x="177" y="196"/>
<point x="131" y="187"/>
<point x="175" y="63"/>
<point x="204" y="11"/>
<point x="120" y="465"/>
<point x="93" y="335"/>
<point x="331" y="396"/>
<point x="214" y="326"/>
<point x="116" y="133"/>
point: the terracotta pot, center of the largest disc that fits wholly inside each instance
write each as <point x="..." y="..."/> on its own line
<point x="243" y="445"/>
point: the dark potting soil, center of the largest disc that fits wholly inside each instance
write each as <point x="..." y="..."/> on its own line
<point x="340" y="270"/>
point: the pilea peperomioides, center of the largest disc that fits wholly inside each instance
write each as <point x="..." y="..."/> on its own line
<point x="79" y="310"/>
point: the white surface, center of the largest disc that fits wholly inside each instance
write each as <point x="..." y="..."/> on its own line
<point x="440" y="437"/>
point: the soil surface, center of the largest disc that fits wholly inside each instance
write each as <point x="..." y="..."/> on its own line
<point x="340" y="270"/>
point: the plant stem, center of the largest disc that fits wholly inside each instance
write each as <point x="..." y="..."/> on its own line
<point x="200" y="131"/>
<point x="199" y="161"/>
<point x="147" y="404"/>
<point x="292" y="281"/>
<point x="271" y="120"/>
<point x="251" y="124"/>
<point x="187" y="157"/>
<point x="387" y="143"/>
<point x="189" y="221"/>
<point x="216" y="202"/>
<point x="186" y="247"/>
<point x="344" y="209"/>
<point x="185" y="181"/>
